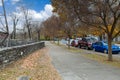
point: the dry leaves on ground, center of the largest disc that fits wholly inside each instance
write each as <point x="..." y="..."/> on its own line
<point x="37" y="66"/>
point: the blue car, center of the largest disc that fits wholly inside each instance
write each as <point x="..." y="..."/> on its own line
<point x="101" y="46"/>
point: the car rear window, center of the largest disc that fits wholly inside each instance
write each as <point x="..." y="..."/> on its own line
<point x="90" y="40"/>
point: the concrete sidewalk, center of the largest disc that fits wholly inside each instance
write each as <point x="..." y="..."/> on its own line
<point x="75" y="67"/>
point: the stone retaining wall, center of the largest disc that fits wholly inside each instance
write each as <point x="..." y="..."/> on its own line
<point x="10" y="54"/>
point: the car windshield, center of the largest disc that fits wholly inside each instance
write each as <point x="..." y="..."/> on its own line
<point x="89" y="40"/>
<point x="105" y="44"/>
<point x="93" y="39"/>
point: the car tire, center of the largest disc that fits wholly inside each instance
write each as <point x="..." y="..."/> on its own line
<point x="86" y="48"/>
<point x="79" y="46"/>
<point x="105" y="51"/>
<point x="94" y="49"/>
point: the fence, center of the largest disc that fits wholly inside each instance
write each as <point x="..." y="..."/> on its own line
<point x="10" y="54"/>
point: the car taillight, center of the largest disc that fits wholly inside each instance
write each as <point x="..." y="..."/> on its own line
<point x="89" y="43"/>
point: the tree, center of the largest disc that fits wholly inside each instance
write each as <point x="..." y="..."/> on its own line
<point x="35" y="25"/>
<point x="66" y="16"/>
<point x="52" y="27"/>
<point x="27" y="22"/>
<point x="95" y="13"/>
<point x="105" y="14"/>
<point x="15" y="20"/>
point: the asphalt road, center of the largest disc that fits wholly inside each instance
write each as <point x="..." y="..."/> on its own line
<point x="73" y="66"/>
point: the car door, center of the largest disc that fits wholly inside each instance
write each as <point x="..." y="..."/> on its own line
<point x="101" y="49"/>
<point x="95" y="46"/>
<point x="84" y="43"/>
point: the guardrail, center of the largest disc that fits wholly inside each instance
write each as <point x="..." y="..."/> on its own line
<point x="9" y="54"/>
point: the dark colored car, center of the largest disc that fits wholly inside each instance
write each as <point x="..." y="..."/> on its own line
<point x="103" y="47"/>
<point x="85" y="43"/>
<point x="74" y="43"/>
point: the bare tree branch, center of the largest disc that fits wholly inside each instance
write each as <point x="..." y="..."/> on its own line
<point x="116" y="34"/>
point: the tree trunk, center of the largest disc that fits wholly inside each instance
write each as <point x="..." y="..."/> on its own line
<point x="58" y="41"/>
<point x="110" y="48"/>
<point x="8" y="44"/>
<point x="69" y="43"/>
<point x="14" y="33"/>
<point x="2" y="43"/>
<point x="29" y="32"/>
<point x="38" y="32"/>
<point x="69" y="36"/>
<point x="100" y="37"/>
<point x="7" y="29"/>
<point x="25" y="35"/>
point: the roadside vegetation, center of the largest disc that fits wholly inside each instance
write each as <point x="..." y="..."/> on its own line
<point x="103" y="59"/>
<point x="76" y="19"/>
<point x="96" y="56"/>
<point x="70" y="19"/>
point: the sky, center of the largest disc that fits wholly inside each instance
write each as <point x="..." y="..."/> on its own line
<point x="39" y="10"/>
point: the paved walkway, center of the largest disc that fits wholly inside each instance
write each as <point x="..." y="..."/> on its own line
<point x="75" y="67"/>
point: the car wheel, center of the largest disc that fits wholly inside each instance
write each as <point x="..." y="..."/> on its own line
<point x="86" y="48"/>
<point x="79" y="46"/>
<point x="105" y="51"/>
<point x="94" y="49"/>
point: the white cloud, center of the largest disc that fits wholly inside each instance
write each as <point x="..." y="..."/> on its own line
<point x="36" y="16"/>
<point x="42" y="15"/>
<point x="14" y="1"/>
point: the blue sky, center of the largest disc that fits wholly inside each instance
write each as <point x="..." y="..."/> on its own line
<point x="36" y="5"/>
<point x="40" y="10"/>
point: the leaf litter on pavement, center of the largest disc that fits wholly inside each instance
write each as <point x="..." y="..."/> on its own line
<point x="36" y="66"/>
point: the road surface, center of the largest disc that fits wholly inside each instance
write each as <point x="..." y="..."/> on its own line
<point x="73" y="66"/>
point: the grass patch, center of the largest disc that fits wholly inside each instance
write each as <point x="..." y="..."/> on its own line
<point x="71" y="49"/>
<point x="56" y="43"/>
<point x="103" y="59"/>
<point x="75" y="50"/>
<point x="118" y="42"/>
<point x="93" y="56"/>
<point x="97" y="57"/>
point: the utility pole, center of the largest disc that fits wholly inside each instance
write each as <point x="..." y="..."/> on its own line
<point x="7" y="29"/>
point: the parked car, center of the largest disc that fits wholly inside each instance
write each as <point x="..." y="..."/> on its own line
<point x="101" y="46"/>
<point x="70" y="41"/>
<point x="74" y="43"/>
<point x="63" y="41"/>
<point x="85" y="43"/>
